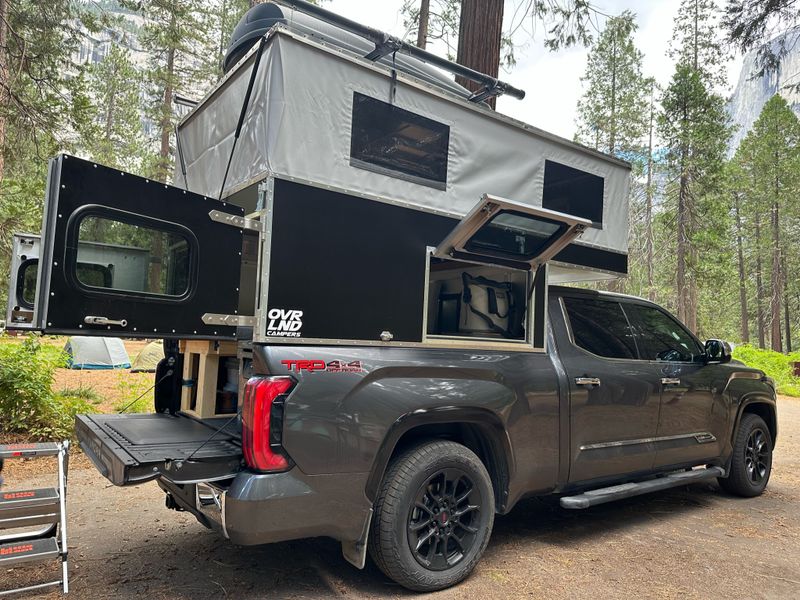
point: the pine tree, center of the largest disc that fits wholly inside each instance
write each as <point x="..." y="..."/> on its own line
<point x="693" y="125"/>
<point x="770" y="155"/>
<point x="613" y="111"/>
<point x="115" y="136"/>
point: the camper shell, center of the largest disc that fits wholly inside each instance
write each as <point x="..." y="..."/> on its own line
<point x="348" y="198"/>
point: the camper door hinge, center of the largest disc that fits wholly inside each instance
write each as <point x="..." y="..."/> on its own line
<point x="235" y="220"/>
<point x="229" y="320"/>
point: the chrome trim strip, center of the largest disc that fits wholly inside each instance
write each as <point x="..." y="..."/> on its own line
<point x="702" y="437"/>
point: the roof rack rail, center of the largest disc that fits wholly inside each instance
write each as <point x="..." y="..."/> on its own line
<point x="386" y="44"/>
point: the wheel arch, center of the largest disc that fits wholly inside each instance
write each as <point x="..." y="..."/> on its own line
<point x="766" y="408"/>
<point x="480" y="430"/>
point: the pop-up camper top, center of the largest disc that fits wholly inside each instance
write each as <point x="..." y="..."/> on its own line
<point x="366" y="198"/>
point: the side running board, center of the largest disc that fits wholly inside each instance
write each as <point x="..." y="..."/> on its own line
<point x="628" y="490"/>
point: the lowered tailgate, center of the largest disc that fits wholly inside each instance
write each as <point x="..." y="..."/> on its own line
<point x="132" y="449"/>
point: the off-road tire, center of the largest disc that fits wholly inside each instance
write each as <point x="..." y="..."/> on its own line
<point x="410" y="475"/>
<point x="741" y="480"/>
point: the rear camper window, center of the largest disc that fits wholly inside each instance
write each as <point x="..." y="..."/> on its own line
<point x="390" y="140"/>
<point x="574" y="192"/>
<point x="130" y="257"/>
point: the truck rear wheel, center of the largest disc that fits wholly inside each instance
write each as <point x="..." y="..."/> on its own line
<point x="433" y="516"/>
<point x="751" y="464"/>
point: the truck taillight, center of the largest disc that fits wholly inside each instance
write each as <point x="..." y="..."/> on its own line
<point x="262" y="420"/>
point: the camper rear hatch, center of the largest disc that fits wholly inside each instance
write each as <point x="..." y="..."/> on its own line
<point x="128" y="256"/>
<point x="133" y="449"/>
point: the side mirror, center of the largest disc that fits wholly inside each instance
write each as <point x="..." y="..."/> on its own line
<point x="717" y="351"/>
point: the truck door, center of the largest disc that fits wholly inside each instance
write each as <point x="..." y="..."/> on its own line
<point x="693" y="415"/>
<point x="613" y="397"/>
<point x="126" y="256"/>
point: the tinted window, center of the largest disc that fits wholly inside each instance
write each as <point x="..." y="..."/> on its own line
<point x="388" y="138"/>
<point x="130" y="257"/>
<point x="515" y="235"/>
<point x="573" y="192"/>
<point x="659" y="336"/>
<point x="92" y="275"/>
<point x="601" y="328"/>
<point x="26" y="283"/>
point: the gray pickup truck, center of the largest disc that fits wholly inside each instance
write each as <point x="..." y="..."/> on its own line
<point x="363" y="334"/>
<point x="411" y="452"/>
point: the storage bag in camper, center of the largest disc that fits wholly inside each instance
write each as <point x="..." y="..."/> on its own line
<point x="489" y="306"/>
<point x="96" y="353"/>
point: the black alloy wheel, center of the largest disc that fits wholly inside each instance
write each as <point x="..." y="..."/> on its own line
<point x="757" y="456"/>
<point x="751" y="463"/>
<point x="443" y="523"/>
<point x="433" y="515"/>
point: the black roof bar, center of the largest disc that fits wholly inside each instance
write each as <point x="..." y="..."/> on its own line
<point x="386" y="44"/>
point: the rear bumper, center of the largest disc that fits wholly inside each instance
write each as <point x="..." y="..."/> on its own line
<point x="261" y="509"/>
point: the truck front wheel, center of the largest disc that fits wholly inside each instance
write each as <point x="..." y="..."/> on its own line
<point x="433" y="516"/>
<point x="751" y="464"/>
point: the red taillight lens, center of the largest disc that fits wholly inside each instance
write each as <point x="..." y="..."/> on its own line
<point x="262" y="419"/>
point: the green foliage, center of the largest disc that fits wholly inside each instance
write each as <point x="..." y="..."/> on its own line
<point x="86" y="393"/>
<point x="114" y="136"/>
<point x="775" y="364"/>
<point x="136" y="396"/>
<point x="27" y="402"/>
<point x="613" y="111"/>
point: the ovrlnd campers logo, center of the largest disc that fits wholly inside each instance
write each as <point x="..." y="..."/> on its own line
<point x="284" y="323"/>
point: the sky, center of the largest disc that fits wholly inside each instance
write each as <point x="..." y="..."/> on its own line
<point x="552" y="79"/>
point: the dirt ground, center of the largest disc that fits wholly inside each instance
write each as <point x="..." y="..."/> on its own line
<point x="692" y="542"/>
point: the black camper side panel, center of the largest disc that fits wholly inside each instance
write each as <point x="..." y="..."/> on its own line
<point x="354" y="267"/>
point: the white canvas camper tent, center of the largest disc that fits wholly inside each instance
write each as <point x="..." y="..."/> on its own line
<point x="96" y="353"/>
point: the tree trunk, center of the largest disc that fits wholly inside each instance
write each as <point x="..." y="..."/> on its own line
<point x="479" y="36"/>
<point x="163" y="157"/>
<point x="762" y="334"/>
<point x="612" y="131"/>
<point x="775" y="282"/>
<point x="787" y="325"/>
<point x="744" y="321"/>
<point x="648" y="214"/>
<point x="682" y="251"/>
<point x="4" y="82"/>
<point x="422" y="29"/>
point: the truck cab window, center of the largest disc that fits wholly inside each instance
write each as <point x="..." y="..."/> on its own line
<point x="129" y="257"/>
<point x="660" y="337"/>
<point x="600" y="327"/>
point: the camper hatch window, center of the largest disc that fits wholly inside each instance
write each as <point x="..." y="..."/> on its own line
<point x="573" y="192"/>
<point x="131" y="257"/>
<point x="396" y="142"/>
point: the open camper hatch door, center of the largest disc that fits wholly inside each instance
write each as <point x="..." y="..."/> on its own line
<point x="501" y="231"/>
<point x="127" y="256"/>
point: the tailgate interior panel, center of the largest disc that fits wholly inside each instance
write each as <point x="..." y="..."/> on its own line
<point x="131" y="449"/>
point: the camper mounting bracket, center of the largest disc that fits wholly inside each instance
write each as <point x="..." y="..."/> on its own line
<point x="229" y="320"/>
<point x="235" y="220"/>
<point x="487" y="92"/>
<point x="384" y="47"/>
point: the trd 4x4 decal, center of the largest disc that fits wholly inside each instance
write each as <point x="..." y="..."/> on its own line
<point x="334" y="366"/>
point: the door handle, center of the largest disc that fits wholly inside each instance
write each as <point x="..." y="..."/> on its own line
<point x="587" y="381"/>
<point x="90" y="320"/>
<point x="670" y="381"/>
